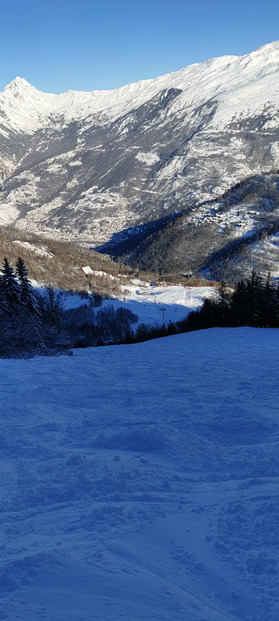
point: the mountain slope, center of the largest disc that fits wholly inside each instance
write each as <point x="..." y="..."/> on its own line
<point x="222" y="238"/>
<point x="88" y="166"/>
<point x="127" y="496"/>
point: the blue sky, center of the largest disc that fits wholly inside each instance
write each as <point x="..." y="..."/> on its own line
<point x="59" y="45"/>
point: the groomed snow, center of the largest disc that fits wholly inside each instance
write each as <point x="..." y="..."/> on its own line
<point x="141" y="482"/>
<point x="153" y="305"/>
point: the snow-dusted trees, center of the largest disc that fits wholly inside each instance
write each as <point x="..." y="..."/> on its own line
<point x="16" y="292"/>
<point x="9" y="295"/>
<point x="28" y="321"/>
<point x="20" y="321"/>
<point x="9" y="289"/>
<point x="32" y="321"/>
<point x="27" y="298"/>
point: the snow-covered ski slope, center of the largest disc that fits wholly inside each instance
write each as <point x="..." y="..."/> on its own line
<point x="141" y="482"/>
<point x="154" y="305"/>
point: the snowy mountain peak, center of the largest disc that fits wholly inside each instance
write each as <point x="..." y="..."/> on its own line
<point x="19" y="89"/>
<point x="199" y="82"/>
<point x="92" y="165"/>
<point x="18" y="84"/>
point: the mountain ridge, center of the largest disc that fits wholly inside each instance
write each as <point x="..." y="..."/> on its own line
<point x="263" y="50"/>
<point x="87" y="166"/>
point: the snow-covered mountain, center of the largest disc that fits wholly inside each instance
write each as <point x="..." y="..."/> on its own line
<point x="90" y="165"/>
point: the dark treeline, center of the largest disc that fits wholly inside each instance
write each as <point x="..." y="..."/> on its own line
<point x="29" y="322"/>
<point x="87" y="327"/>
<point x="33" y="322"/>
<point x="253" y="302"/>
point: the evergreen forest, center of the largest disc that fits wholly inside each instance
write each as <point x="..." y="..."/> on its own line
<point x="34" y="321"/>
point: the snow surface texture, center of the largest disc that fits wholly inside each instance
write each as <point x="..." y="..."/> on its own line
<point x="141" y="482"/>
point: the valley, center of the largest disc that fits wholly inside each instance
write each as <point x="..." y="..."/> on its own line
<point x="133" y="170"/>
<point x="139" y="474"/>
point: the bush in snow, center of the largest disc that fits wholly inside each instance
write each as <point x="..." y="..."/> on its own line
<point x="87" y="329"/>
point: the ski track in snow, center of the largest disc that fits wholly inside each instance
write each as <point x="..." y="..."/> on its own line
<point x="141" y="482"/>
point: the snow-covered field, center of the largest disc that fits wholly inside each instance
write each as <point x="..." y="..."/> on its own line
<point x="153" y="304"/>
<point x="141" y="481"/>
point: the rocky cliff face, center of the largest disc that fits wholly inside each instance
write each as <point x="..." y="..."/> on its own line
<point x="103" y="166"/>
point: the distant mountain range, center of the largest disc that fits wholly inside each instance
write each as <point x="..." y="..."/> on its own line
<point x="179" y="173"/>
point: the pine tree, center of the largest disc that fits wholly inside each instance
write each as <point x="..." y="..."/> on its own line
<point x="273" y="308"/>
<point x="9" y="289"/>
<point x="223" y="306"/>
<point x="9" y="301"/>
<point x="27" y="298"/>
<point x="51" y="310"/>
